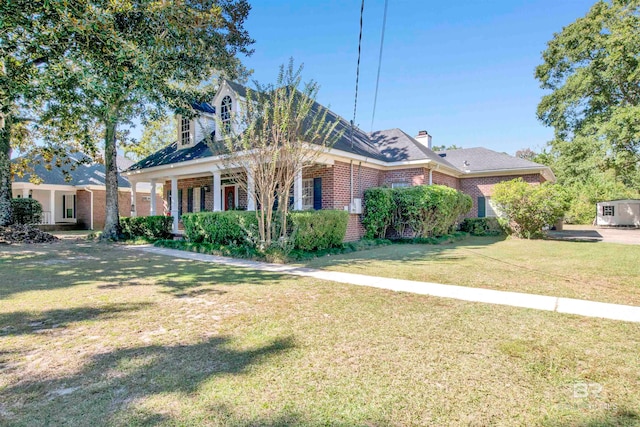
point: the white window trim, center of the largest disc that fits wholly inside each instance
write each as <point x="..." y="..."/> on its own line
<point x="181" y="133"/>
<point x="400" y="185"/>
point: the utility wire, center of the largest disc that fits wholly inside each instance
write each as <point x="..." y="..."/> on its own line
<point x="355" y="102"/>
<point x="375" y="97"/>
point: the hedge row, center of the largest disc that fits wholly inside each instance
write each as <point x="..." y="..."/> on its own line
<point x="311" y="230"/>
<point x="150" y="227"/>
<point x="221" y="228"/>
<point x="489" y="226"/>
<point x="318" y="230"/>
<point x="420" y="211"/>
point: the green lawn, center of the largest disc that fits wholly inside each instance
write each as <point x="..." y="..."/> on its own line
<point x="92" y="334"/>
<point x="604" y="272"/>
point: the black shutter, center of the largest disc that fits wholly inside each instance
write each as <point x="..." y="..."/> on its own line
<point x="169" y="200"/>
<point x="179" y="203"/>
<point x="64" y="206"/>
<point x="74" y="205"/>
<point x="202" y="195"/>
<point x="481" y="207"/>
<point x="317" y="193"/>
<point x="190" y="200"/>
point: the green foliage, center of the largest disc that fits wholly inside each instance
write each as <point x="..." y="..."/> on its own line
<point x="318" y="230"/>
<point x="157" y="134"/>
<point x="422" y="211"/>
<point x="304" y="131"/>
<point x="26" y="211"/>
<point x="584" y="197"/>
<point x="529" y="208"/>
<point x="378" y="212"/>
<point x="238" y="228"/>
<point x="484" y="226"/>
<point x="149" y="227"/>
<point x="428" y="210"/>
<point x="591" y="68"/>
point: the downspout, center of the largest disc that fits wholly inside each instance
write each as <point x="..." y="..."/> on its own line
<point x="430" y="176"/>
<point x="351" y="185"/>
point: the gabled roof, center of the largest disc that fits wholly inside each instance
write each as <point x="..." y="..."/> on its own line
<point x="481" y="159"/>
<point x="395" y="145"/>
<point x="79" y="167"/>
<point x="389" y="146"/>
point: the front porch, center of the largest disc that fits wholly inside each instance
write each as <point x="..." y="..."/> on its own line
<point x="59" y="203"/>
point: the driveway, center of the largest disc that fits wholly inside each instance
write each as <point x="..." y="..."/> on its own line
<point x="588" y="233"/>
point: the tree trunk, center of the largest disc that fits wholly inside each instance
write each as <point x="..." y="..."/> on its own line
<point x="5" y="170"/>
<point x="112" y="216"/>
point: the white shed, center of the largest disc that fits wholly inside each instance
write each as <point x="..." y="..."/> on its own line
<point x="619" y="212"/>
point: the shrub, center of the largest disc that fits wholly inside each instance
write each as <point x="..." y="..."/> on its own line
<point x="378" y="212"/>
<point x="26" y="211"/>
<point x="318" y="230"/>
<point x="484" y="226"/>
<point x="150" y="227"/>
<point x="529" y="208"/>
<point x="427" y="211"/>
<point x="221" y="228"/>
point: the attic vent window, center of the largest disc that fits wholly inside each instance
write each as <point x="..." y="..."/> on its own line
<point x="466" y="164"/>
<point x="225" y="113"/>
<point x="185" y="131"/>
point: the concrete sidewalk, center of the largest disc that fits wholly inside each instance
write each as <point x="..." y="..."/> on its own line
<point x="514" y="299"/>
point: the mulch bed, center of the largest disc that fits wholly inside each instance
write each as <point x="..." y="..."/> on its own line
<point x="18" y="233"/>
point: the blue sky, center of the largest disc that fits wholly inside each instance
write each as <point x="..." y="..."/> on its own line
<point x="462" y="70"/>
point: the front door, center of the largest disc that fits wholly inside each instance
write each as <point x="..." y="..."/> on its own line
<point x="229" y="198"/>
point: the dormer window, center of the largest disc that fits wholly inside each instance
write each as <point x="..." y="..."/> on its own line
<point x="185" y="131"/>
<point x="225" y="113"/>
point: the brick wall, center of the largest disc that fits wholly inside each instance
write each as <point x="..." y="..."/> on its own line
<point x="83" y="206"/>
<point x="441" y="179"/>
<point x="326" y="173"/>
<point x="412" y="176"/>
<point x="483" y="186"/>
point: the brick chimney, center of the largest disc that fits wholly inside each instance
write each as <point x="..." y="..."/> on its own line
<point x="424" y="138"/>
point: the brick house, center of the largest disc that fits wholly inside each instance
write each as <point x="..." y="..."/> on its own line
<point x="75" y="193"/>
<point x="194" y="177"/>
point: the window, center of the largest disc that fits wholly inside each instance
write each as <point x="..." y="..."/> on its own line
<point x="307" y="194"/>
<point x="492" y="209"/>
<point x="185" y="131"/>
<point x="68" y="206"/>
<point x="608" y="211"/>
<point x="399" y="184"/>
<point x="225" y="113"/>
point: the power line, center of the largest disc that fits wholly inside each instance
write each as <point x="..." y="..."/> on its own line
<point x="355" y="102"/>
<point x="375" y="97"/>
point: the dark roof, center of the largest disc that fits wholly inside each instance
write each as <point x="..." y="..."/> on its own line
<point x="237" y="88"/>
<point x="481" y="159"/>
<point x="170" y="154"/>
<point x="205" y="107"/>
<point x="392" y="145"/>
<point x="395" y="145"/>
<point x="85" y="172"/>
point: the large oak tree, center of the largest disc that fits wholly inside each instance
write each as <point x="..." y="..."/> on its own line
<point x="592" y="68"/>
<point x="130" y="58"/>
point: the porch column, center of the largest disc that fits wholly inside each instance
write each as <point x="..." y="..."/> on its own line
<point x="25" y="193"/>
<point x="152" y="208"/>
<point x="217" y="191"/>
<point x="52" y="206"/>
<point x="251" y="191"/>
<point x="297" y="191"/>
<point x="174" y="203"/>
<point x="134" y="211"/>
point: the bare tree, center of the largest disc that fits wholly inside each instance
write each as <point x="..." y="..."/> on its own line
<point x="279" y="130"/>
